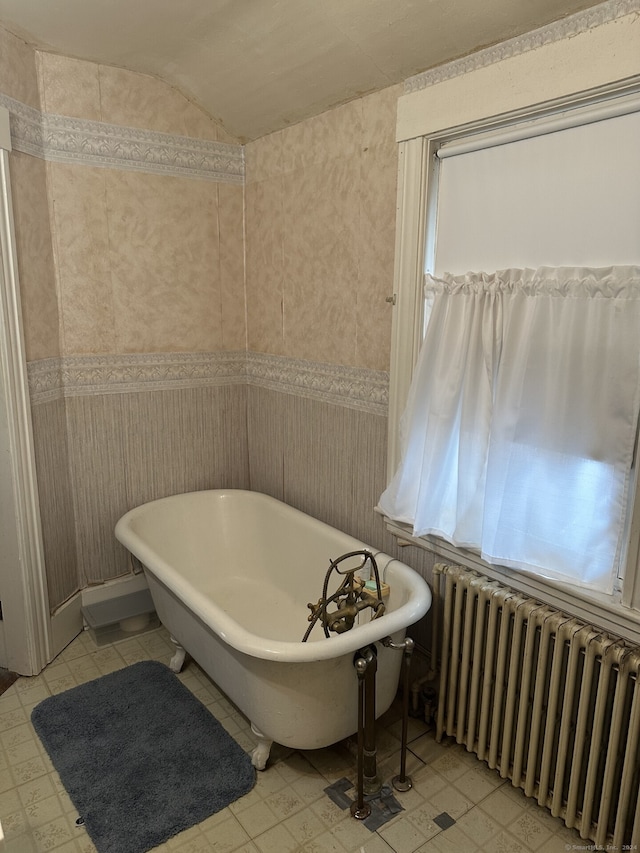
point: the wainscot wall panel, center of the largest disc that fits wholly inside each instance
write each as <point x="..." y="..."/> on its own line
<point x="97" y="465"/>
<point x="193" y="438"/>
<point x="56" y="500"/>
<point x="322" y="461"/>
<point x="266" y="418"/>
<point x="127" y="449"/>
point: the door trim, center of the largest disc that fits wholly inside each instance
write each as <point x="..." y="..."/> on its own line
<point x="27" y="621"/>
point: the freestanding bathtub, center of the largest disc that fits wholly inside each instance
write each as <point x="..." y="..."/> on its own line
<point x="231" y="573"/>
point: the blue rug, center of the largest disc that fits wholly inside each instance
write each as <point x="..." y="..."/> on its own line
<point x="141" y="758"/>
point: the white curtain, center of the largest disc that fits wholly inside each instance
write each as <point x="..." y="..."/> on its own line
<point x="519" y="432"/>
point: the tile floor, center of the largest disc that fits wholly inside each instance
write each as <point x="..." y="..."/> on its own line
<point x="287" y="810"/>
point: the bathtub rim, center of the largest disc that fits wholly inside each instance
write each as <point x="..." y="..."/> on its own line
<point x="235" y="635"/>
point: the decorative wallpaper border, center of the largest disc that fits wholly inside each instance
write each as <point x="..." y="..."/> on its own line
<point x="556" y="31"/>
<point x="73" y="376"/>
<point x="353" y="387"/>
<point x="61" y="139"/>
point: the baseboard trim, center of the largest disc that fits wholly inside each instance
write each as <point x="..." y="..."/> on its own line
<point x="66" y="624"/>
<point x="113" y="588"/>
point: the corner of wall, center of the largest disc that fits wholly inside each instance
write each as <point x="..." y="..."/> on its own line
<point x="18" y="72"/>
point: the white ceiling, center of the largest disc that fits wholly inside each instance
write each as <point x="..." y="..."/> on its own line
<point x="260" y="65"/>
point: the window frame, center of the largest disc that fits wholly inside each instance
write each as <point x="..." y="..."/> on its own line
<point x="418" y="169"/>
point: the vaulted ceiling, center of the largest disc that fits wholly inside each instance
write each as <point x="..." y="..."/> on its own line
<point x="260" y="65"/>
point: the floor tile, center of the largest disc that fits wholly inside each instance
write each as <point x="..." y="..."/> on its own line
<point x="227" y="836"/>
<point x="478" y="827"/>
<point x="423" y="818"/>
<point x="305" y="825"/>
<point x="452" y="840"/>
<point x="478" y="782"/>
<point x="402" y="836"/>
<point x="257" y="819"/>
<point x="276" y="840"/>
<point x="529" y="831"/>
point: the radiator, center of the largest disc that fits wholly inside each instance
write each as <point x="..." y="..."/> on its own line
<point x="550" y="702"/>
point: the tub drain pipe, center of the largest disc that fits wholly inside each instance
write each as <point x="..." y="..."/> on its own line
<point x="372" y="782"/>
<point x="402" y="782"/>
<point x="359" y="809"/>
<point x="369" y="782"/>
<point x="435" y="638"/>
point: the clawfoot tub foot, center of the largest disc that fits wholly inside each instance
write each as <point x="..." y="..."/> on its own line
<point x="177" y="661"/>
<point x="260" y="754"/>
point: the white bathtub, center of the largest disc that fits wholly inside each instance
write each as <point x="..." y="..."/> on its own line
<point x="231" y="573"/>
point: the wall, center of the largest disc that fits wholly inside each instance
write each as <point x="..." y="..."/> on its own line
<point x="320" y="208"/>
<point x="320" y="228"/>
<point x="146" y="262"/>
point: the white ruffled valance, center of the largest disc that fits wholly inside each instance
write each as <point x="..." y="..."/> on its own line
<point x="621" y="282"/>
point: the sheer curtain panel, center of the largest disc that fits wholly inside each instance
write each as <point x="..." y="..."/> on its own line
<point x="518" y="436"/>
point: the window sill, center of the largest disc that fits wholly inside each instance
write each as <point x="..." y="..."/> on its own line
<point x="604" y="611"/>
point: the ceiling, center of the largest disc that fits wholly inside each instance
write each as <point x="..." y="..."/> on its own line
<point x="260" y="65"/>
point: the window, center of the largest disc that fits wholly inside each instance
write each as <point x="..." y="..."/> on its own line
<point x="569" y="197"/>
<point x="561" y="188"/>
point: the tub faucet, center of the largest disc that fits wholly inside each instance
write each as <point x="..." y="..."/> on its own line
<point x="350" y="598"/>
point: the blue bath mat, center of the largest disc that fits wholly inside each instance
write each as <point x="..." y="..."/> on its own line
<point x="141" y="758"/>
